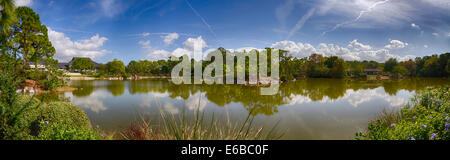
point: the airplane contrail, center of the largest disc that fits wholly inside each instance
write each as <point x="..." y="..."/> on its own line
<point x="203" y="19"/>
<point x="359" y="16"/>
<point x="301" y="22"/>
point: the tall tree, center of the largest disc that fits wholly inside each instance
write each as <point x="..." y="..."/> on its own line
<point x="8" y="15"/>
<point x="30" y="34"/>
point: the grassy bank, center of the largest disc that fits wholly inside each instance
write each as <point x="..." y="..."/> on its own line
<point x="425" y="118"/>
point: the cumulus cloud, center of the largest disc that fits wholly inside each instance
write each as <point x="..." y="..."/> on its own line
<point x="158" y="54"/>
<point x="170" y="38"/>
<point x="23" y="2"/>
<point x="415" y="26"/>
<point x="192" y="43"/>
<point x="357" y="51"/>
<point x="396" y="44"/>
<point x="188" y="49"/>
<point x="358" y="46"/>
<point x="66" y="48"/>
<point x="425" y="46"/>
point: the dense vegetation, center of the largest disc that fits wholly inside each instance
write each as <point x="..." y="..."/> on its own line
<point x="314" y="66"/>
<point x="426" y="118"/>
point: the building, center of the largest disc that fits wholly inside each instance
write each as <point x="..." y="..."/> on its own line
<point x="372" y="71"/>
<point x="67" y="65"/>
<point x="40" y="66"/>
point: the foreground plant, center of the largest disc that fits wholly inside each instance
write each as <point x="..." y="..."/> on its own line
<point x="426" y="118"/>
<point x="181" y="128"/>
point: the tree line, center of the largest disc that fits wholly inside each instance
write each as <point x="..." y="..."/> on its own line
<point x="314" y="66"/>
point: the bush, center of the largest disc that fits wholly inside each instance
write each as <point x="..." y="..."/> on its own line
<point x="51" y="83"/>
<point x="53" y="121"/>
<point x="427" y="118"/>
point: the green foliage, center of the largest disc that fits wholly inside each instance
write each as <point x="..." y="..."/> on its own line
<point x="82" y="64"/>
<point x="390" y="64"/>
<point x="318" y="66"/>
<point x="427" y="118"/>
<point x="30" y="36"/>
<point x="197" y="128"/>
<point x="115" y="68"/>
<point x="399" y="71"/>
<point x="52" y="121"/>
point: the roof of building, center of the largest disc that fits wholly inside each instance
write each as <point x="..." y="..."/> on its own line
<point x="68" y="64"/>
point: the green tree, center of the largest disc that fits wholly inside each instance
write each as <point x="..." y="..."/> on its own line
<point x="136" y="68"/>
<point x="399" y="71"/>
<point x="115" y="68"/>
<point x="390" y="64"/>
<point x="315" y="66"/>
<point x="82" y="64"/>
<point x="8" y="15"/>
<point x="338" y="68"/>
<point x="30" y="34"/>
<point x="431" y="67"/>
<point x="43" y="48"/>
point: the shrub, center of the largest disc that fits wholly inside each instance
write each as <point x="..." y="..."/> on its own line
<point x="427" y="118"/>
<point x="52" y="121"/>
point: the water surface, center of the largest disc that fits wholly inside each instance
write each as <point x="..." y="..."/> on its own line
<point x="305" y="109"/>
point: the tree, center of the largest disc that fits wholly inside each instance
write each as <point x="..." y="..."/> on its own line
<point x="399" y="71"/>
<point x="390" y="64"/>
<point x="338" y="68"/>
<point x="410" y="66"/>
<point x="30" y="35"/>
<point x="315" y="66"/>
<point x="136" y="68"/>
<point x="431" y="67"/>
<point x="82" y="64"/>
<point x="8" y="15"/>
<point x="115" y="68"/>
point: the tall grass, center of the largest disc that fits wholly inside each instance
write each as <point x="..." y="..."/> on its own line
<point x="181" y="127"/>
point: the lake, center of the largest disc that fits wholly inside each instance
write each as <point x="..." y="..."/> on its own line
<point x="304" y="109"/>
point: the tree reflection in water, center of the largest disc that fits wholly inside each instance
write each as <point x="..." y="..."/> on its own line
<point x="249" y="96"/>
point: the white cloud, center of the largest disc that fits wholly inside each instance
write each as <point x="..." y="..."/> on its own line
<point x="192" y="43"/>
<point x="358" y="46"/>
<point x="396" y="44"/>
<point x="425" y="46"/>
<point x="145" y="44"/>
<point x="158" y="55"/>
<point x="188" y="49"/>
<point x="111" y="8"/>
<point x="415" y="26"/>
<point x="23" y="2"/>
<point x="170" y="38"/>
<point x="359" y="52"/>
<point x="145" y="34"/>
<point x="66" y="48"/>
<point x="435" y="34"/>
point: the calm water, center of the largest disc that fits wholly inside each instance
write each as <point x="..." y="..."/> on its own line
<point x="305" y="109"/>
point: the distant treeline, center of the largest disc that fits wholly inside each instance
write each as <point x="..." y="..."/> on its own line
<point x="314" y="66"/>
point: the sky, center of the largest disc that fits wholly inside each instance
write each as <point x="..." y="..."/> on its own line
<point x="155" y="29"/>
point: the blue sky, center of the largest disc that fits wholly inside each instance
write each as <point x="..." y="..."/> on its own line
<point x="154" y="29"/>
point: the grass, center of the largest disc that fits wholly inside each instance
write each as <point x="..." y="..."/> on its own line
<point x="180" y="127"/>
<point x="426" y="118"/>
